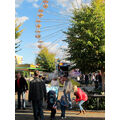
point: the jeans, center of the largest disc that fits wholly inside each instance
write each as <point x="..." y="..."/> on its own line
<point x="80" y="104"/>
<point x="67" y="98"/>
<point x="86" y="82"/>
<point x="96" y="84"/>
<point x="63" y="108"/>
<point x="100" y="86"/>
<point x="37" y="109"/>
<point x="19" y="100"/>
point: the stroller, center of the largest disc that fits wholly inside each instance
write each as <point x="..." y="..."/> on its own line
<point x="52" y="94"/>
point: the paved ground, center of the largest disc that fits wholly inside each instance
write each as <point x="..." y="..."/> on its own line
<point x="71" y="115"/>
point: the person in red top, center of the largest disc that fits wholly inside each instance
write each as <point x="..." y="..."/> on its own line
<point x="21" y="87"/>
<point x="81" y="97"/>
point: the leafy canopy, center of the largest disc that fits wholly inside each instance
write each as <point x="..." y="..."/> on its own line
<point x="46" y="60"/>
<point x="18" y="33"/>
<point x="86" y="37"/>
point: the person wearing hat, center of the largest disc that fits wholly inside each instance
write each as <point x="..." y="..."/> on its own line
<point x="81" y="97"/>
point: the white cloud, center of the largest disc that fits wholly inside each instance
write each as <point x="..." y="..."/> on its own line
<point x="69" y="5"/>
<point x="48" y="45"/>
<point x="17" y="41"/>
<point x="32" y="0"/>
<point x="16" y="13"/>
<point x="20" y="20"/>
<point x="18" y="3"/>
<point x="54" y="48"/>
<point x="36" y="5"/>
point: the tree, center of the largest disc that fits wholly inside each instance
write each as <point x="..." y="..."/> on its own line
<point x="46" y="60"/>
<point x="18" y="33"/>
<point x="86" y="37"/>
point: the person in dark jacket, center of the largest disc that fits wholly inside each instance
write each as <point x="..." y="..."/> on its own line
<point x="21" y="87"/>
<point x="86" y="79"/>
<point x="63" y="105"/>
<point x="99" y="79"/>
<point x="37" y="92"/>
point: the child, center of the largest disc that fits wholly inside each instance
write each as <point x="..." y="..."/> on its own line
<point x="63" y="104"/>
<point x="81" y="97"/>
<point x="52" y="103"/>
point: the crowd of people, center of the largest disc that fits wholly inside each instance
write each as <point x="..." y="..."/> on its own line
<point x="93" y="78"/>
<point x="38" y="94"/>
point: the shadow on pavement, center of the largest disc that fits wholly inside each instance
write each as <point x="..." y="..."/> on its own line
<point x="28" y="115"/>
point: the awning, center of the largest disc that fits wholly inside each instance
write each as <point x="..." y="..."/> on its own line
<point x="27" y="68"/>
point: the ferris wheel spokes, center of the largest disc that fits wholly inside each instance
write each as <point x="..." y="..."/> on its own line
<point x="38" y="25"/>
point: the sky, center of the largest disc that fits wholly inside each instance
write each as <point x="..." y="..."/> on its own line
<point x="56" y="19"/>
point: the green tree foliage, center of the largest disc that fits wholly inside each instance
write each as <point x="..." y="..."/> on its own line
<point x="86" y="37"/>
<point x="46" y="60"/>
<point x="18" y="33"/>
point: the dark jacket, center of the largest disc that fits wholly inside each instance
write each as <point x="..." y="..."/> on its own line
<point x="51" y="99"/>
<point x="63" y="102"/>
<point x="99" y="78"/>
<point x="86" y="78"/>
<point x="23" y="85"/>
<point x="37" y="90"/>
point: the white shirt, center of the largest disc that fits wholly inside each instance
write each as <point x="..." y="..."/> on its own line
<point x="54" y="83"/>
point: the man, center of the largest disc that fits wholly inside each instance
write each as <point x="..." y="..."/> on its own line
<point x="67" y="89"/>
<point x="21" y="87"/>
<point x="99" y="79"/>
<point x="86" y="79"/>
<point x="36" y="94"/>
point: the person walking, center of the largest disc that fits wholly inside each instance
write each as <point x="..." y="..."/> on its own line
<point x="37" y="92"/>
<point x="21" y="88"/>
<point x="81" y="97"/>
<point x="67" y="89"/>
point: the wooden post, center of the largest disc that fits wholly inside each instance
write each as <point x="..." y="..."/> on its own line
<point x="97" y="103"/>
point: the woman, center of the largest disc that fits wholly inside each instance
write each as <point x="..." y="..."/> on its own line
<point x="55" y="81"/>
<point x="81" y="97"/>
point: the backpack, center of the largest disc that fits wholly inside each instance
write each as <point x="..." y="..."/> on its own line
<point x="51" y="98"/>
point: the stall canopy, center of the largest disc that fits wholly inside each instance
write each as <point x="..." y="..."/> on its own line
<point x="26" y="67"/>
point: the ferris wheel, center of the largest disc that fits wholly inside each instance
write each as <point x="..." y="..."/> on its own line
<point x="43" y="5"/>
<point x="53" y="26"/>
